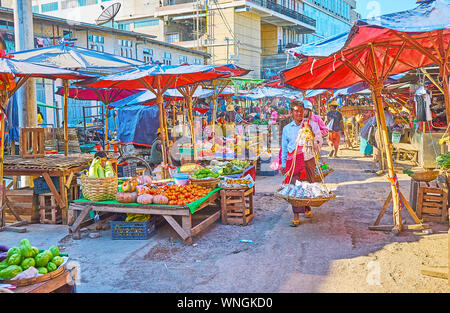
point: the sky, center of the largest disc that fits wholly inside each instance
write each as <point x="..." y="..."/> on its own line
<point x="368" y="8"/>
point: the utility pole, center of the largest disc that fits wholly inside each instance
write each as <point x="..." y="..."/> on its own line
<point x="26" y="95"/>
<point x="24" y="40"/>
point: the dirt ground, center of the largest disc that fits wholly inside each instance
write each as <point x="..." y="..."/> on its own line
<point x="332" y="252"/>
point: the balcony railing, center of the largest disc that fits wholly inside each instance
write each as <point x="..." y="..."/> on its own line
<point x="272" y="5"/>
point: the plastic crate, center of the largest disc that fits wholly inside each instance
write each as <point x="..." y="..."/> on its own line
<point x="41" y="186"/>
<point x="126" y="170"/>
<point x="132" y="230"/>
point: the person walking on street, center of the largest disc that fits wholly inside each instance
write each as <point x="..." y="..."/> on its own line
<point x="300" y="140"/>
<point x="335" y="124"/>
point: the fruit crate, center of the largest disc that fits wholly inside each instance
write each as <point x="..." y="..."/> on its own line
<point x="132" y="230"/>
<point x="432" y="202"/>
<point x="236" y="206"/>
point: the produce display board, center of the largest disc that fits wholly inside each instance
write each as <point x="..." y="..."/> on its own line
<point x="193" y="206"/>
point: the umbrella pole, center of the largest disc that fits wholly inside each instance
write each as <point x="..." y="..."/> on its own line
<point x="160" y="102"/>
<point x="106" y="147"/>
<point x="191" y="123"/>
<point x="66" y="130"/>
<point x="2" y="186"/>
<point x="173" y="121"/>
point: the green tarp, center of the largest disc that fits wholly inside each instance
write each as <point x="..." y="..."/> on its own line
<point x="192" y="206"/>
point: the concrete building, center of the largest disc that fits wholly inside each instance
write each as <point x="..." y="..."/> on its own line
<point x="250" y="33"/>
<point x="48" y="30"/>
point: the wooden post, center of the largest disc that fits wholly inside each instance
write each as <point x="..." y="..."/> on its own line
<point x="377" y="98"/>
<point x="106" y="147"/>
<point x="66" y="129"/>
<point x="2" y="130"/>
<point x="213" y="115"/>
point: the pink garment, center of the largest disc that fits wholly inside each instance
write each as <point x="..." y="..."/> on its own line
<point x="274" y="116"/>
<point x="321" y="123"/>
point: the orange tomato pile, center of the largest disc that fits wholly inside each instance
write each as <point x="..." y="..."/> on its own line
<point x="182" y="195"/>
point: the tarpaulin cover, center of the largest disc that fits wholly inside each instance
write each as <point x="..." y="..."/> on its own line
<point x="137" y="124"/>
<point x="73" y="57"/>
<point x="21" y="68"/>
<point x="427" y="16"/>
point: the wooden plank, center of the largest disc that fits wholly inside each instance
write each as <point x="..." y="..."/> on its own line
<point x="431" y="218"/>
<point x="383" y="210"/>
<point x="433" y="198"/>
<point x="433" y="191"/>
<point x="76" y="225"/>
<point x="431" y="210"/>
<point x="204" y="224"/>
<point x="69" y="180"/>
<point x="133" y="209"/>
<point x="419" y="202"/>
<point x="417" y="226"/>
<point x="52" y="187"/>
<point x="180" y="231"/>
<point x="438" y="272"/>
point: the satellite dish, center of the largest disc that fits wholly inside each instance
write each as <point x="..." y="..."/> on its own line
<point x="108" y="14"/>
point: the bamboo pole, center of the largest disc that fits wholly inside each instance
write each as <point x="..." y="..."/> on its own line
<point x="378" y="102"/>
<point x="66" y="129"/>
<point x="106" y="147"/>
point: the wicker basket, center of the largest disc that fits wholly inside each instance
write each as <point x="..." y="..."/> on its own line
<point x="99" y="189"/>
<point x="426" y="176"/>
<point x="317" y="178"/>
<point x="207" y="183"/>
<point x="35" y="280"/>
<point x="313" y="202"/>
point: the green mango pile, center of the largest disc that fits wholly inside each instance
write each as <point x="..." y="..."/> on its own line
<point x="19" y="259"/>
<point x="204" y="173"/>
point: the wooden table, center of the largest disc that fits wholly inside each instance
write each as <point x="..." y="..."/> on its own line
<point x="64" y="167"/>
<point x="64" y="283"/>
<point x="186" y="230"/>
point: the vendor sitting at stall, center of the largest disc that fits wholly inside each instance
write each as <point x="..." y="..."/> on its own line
<point x="300" y="139"/>
<point x="156" y="151"/>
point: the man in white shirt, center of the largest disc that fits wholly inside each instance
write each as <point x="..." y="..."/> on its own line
<point x="300" y="140"/>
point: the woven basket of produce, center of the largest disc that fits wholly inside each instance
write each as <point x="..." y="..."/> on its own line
<point x="426" y="176"/>
<point x="205" y="182"/>
<point x="317" y="178"/>
<point x="99" y="189"/>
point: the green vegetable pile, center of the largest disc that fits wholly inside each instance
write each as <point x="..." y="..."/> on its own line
<point x="204" y="173"/>
<point x="21" y="258"/>
<point x="443" y="161"/>
<point x="235" y="167"/>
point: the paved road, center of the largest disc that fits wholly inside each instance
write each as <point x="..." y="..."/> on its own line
<point x="333" y="251"/>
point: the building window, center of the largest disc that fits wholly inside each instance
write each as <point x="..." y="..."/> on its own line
<point x="171" y="38"/>
<point x="48" y="7"/>
<point x="146" y="23"/>
<point x="148" y="55"/>
<point x="183" y="59"/>
<point x="167" y="58"/>
<point x="96" y="42"/>
<point x="197" y="61"/>
<point x="124" y="26"/>
<point x="126" y="48"/>
<point x="35" y="9"/>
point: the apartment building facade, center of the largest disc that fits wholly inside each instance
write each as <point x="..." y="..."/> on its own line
<point x="250" y="33"/>
<point x="49" y="30"/>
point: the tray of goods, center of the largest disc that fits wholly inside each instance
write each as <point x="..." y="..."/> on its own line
<point x="27" y="265"/>
<point x="305" y="194"/>
<point x="237" y="183"/>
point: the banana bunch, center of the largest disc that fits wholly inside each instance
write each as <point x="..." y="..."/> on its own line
<point x="133" y="217"/>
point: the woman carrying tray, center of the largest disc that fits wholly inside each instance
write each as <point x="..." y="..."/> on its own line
<point x="300" y="141"/>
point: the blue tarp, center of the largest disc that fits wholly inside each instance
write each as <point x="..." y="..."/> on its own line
<point x="321" y="48"/>
<point x="138" y="124"/>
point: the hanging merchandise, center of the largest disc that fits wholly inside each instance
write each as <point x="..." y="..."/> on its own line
<point x="423" y="105"/>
